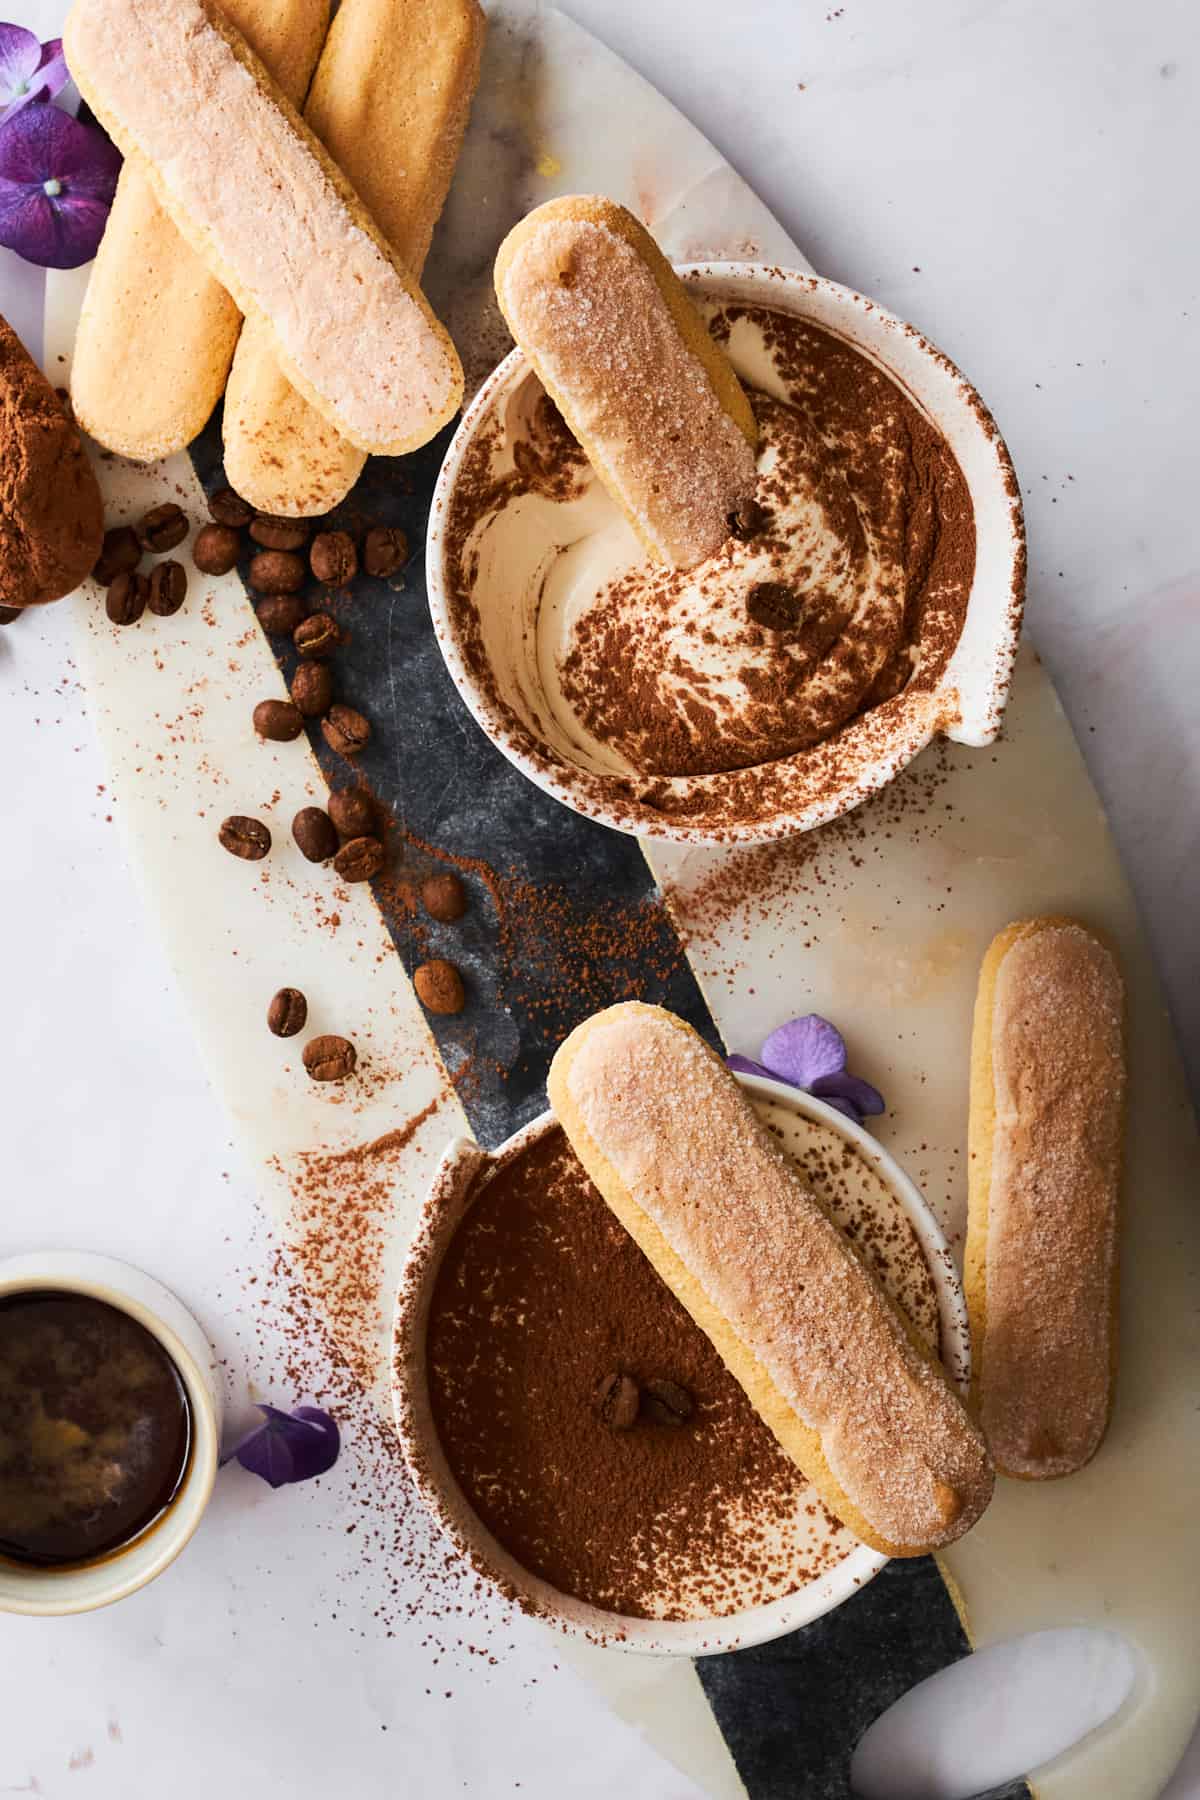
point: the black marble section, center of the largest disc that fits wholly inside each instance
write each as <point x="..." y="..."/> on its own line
<point x="793" y="1710"/>
<point x="564" y="919"/>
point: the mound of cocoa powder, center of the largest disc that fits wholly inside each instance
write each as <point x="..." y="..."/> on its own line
<point x="51" y="514"/>
<point x="541" y="1297"/>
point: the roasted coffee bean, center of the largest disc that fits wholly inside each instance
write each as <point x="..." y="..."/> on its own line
<point x="330" y="1058"/>
<point x="312" y="689"/>
<point x="216" y="549"/>
<point x="439" y="987"/>
<point x="345" y="730"/>
<point x="125" y="601"/>
<point x="773" y="606"/>
<point x="279" y="614"/>
<point x="444" y="897"/>
<point x="277" y="572"/>
<point x="313" y="831"/>
<point x="665" y="1402"/>
<point x="119" y="553"/>
<point x="318" y="636"/>
<point x="333" y="558"/>
<point x="278" y="720"/>
<point x="10" y="614"/>
<point x="228" y="508"/>
<point x="163" y="527"/>
<point x="287" y="1013"/>
<point x="168" y="588"/>
<point x="247" y="838"/>
<point x="278" y="534"/>
<point x="385" y="549"/>
<point x="748" y="520"/>
<point x="617" y="1400"/>
<point x="353" y="812"/>
<point x="359" y="859"/>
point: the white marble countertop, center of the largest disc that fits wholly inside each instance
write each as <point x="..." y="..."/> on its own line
<point x="1012" y="178"/>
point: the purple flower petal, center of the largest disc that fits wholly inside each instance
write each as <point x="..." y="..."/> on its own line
<point x="860" y="1095"/>
<point x="52" y="72"/>
<point x="804" y="1050"/>
<point x="57" y="179"/>
<point x="842" y="1106"/>
<point x="289" y="1447"/>
<point x="742" y="1065"/>
<point x="20" y="59"/>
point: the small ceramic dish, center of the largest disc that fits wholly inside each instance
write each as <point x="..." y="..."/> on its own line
<point x="462" y="1176"/>
<point x="81" y="1587"/>
<point x="489" y="638"/>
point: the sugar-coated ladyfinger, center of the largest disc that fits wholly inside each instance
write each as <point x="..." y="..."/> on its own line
<point x="697" y="1180"/>
<point x="397" y="139"/>
<point x="608" y="328"/>
<point x="253" y="191"/>
<point x="156" y="331"/>
<point x="1047" y="1113"/>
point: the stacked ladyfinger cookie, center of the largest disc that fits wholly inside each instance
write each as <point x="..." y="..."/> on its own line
<point x="267" y="252"/>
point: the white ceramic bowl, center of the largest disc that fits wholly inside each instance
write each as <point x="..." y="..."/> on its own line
<point x="967" y="703"/>
<point x="453" y="1190"/>
<point x="84" y="1587"/>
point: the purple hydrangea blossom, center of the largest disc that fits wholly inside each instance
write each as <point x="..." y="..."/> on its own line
<point x="57" y="180"/>
<point x="810" y="1053"/>
<point x="29" y="69"/>
<point x="288" y="1447"/>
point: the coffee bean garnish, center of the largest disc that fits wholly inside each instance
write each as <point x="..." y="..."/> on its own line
<point x="330" y="1058"/>
<point x="444" y="897"/>
<point x="279" y="614"/>
<point x="344" y="730"/>
<point x="774" y="606"/>
<point x="312" y="689"/>
<point x="119" y="553"/>
<point x="359" y="859"/>
<point x="125" y="601"/>
<point x="439" y="987"/>
<point x="228" y="508"/>
<point x="216" y="549"/>
<point x="333" y="558"/>
<point x="10" y="614"/>
<point x="278" y="534"/>
<point x="278" y="720"/>
<point x="247" y="838"/>
<point x="617" y="1400"/>
<point x="665" y="1402"/>
<point x="385" y="549"/>
<point x="276" y="572"/>
<point x="318" y="636"/>
<point x="314" y="833"/>
<point x="749" y="518"/>
<point x="163" y="527"/>
<point x="287" y="1013"/>
<point x="353" y="812"/>
<point x="168" y="588"/>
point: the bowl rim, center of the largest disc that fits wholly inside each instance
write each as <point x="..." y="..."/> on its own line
<point x="915" y="728"/>
<point x="80" y="1588"/>
<point x="448" y="1506"/>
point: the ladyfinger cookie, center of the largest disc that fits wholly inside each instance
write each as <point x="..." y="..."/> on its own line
<point x="397" y="139"/>
<point x="253" y="191"/>
<point x="608" y="328"/>
<point x="1047" y="1112"/>
<point x="157" y="332"/>
<point x="697" y="1180"/>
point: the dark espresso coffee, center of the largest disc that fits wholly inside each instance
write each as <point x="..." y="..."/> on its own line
<point x="95" y="1429"/>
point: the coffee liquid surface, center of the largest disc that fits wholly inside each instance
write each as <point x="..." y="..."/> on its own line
<point x="95" y="1429"/>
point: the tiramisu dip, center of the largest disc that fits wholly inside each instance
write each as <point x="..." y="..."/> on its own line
<point x="592" y="1426"/>
<point x="841" y="590"/>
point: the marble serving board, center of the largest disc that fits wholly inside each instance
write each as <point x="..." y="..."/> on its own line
<point x="879" y="921"/>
